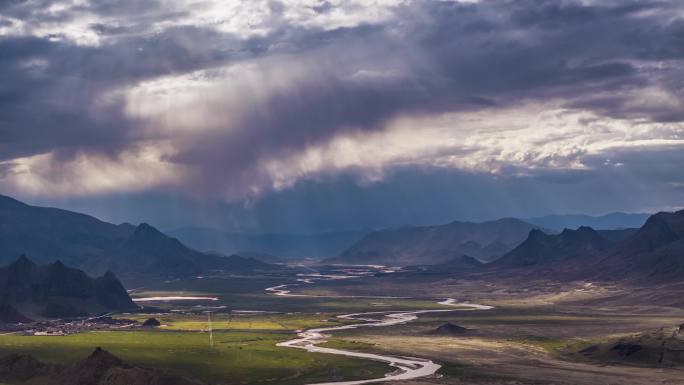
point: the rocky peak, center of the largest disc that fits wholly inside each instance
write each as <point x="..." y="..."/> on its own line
<point x="102" y="358"/>
<point x="22" y="266"/>
<point x="537" y="234"/>
<point x="145" y="231"/>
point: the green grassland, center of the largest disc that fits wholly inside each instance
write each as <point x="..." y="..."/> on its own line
<point x="244" y="350"/>
<point x="237" y="356"/>
<point x="356" y="346"/>
<point x="227" y="321"/>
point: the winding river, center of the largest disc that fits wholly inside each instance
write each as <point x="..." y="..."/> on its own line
<point x="406" y="367"/>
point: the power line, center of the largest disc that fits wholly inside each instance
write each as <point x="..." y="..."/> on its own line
<point x="211" y="332"/>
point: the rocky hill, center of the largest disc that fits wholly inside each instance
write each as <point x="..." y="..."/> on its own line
<point x="658" y="348"/>
<point x="540" y="248"/>
<point x="28" y="290"/>
<point x="449" y="329"/>
<point x="437" y="244"/>
<point x="100" y="368"/>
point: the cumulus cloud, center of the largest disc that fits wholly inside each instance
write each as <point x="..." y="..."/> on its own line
<point x="233" y="99"/>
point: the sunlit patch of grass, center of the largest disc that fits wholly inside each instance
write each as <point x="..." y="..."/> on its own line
<point x="553" y="345"/>
<point x="356" y="346"/>
<point x="227" y="321"/>
<point x="236" y="357"/>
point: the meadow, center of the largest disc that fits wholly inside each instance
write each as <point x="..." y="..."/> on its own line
<point x="237" y="356"/>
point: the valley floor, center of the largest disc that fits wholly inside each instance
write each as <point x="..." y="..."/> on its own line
<point x="533" y="335"/>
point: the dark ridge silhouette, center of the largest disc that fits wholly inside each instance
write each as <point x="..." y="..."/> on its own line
<point x="540" y="248"/>
<point x="57" y="291"/>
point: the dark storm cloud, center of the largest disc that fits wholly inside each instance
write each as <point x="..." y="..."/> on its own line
<point x="428" y="58"/>
<point x="449" y="55"/>
<point x="52" y="93"/>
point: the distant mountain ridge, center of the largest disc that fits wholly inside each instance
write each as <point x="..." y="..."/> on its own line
<point x="610" y="221"/>
<point x="651" y="254"/>
<point x="286" y="246"/>
<point x="540" y="248"/>
<point x="437" y="244"/>
<point x="49" y="234"/>
<point x="55" y="290"/>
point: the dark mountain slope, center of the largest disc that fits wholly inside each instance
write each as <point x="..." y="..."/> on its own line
<point x="55" y="290"/>
<point x="460" y="264"/>
<point x="659" y="230"/>
<point x="541" y="249"/>
<point x="436" y="244"/>
<point x="617" y="235"/>
<point x="79" y="240"/>
<point x="654" y="253"/>
<point x="148" y="251"/>
<point x="655" y="348"/>
<point x="48" y="234"/>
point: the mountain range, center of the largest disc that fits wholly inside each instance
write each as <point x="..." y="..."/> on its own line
<point x="50" y="234"/>
<point x="28" y="290"/>
<point x="328" y="245"/>
<point x="651" y="254"/>
<point x="437" y="244"/>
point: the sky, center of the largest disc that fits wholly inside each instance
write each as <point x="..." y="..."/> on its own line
<point x="313" y="115"/>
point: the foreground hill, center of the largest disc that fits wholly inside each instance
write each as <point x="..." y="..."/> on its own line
<point x="49" y="234"/>
<point x="663" y="347"/>
<point x="100" y="368"/>
<point x="437" y="244"/>
<point x="28" y="290"/>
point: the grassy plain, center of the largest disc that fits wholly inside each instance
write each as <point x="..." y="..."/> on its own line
<point x="246" y="322"/>
<point x="236" y="357"/>
<point x="522" y="341"/>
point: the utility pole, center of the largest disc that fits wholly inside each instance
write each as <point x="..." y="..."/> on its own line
<point x="211" y="332"/>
